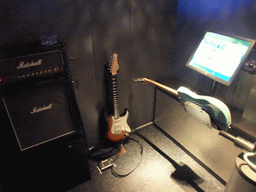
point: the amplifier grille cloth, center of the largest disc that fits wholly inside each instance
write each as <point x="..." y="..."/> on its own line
<point x="39" y="113"/>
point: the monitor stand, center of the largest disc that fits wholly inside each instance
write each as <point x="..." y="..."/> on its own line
<point x="213" y="88"/>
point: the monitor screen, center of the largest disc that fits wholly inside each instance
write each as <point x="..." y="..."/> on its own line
<point x="220" y="57"/>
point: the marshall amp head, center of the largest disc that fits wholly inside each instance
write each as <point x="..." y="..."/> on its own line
<point x="33" y="66"/>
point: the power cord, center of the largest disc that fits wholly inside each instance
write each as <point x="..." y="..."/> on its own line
<point x="125" y="175"/>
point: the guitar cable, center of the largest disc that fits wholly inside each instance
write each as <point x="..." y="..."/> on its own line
<point x="125" y="175"/>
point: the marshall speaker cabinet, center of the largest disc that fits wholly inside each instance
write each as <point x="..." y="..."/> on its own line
<point x="42" y="140"/>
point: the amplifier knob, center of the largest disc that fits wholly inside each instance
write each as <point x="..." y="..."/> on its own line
<point x="23" y="76"/>
<point x="41" y="72"/>
<point x="28" y="75"/>
<point x="32" y="74"/>
<point x="19" y="77"/>
<point x="56" y="69"/>
<point x="37" y="73"/>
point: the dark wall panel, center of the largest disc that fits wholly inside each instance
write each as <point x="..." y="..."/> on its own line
<point x="80" y="52"/>
<point x="153" y="25"/>
<point x="111" y="34"/>
<point x="138" y="31"/>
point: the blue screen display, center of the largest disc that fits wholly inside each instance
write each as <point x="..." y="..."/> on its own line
<point x="219" y="57"/>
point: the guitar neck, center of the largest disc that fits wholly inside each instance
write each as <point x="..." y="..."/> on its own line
<point x="161" y="86"/>
<point x="115" y="96"/>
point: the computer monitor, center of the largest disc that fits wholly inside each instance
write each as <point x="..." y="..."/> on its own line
<point x="220" y="57"/>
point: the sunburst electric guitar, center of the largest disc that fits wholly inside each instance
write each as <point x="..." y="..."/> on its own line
<point x="118" y="128"/>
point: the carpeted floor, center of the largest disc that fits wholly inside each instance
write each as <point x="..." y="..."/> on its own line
<point x="154" y="171"/>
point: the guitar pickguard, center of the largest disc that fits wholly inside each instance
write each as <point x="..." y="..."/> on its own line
<point x="118" y="129"/>
<point x="120" y="125"/>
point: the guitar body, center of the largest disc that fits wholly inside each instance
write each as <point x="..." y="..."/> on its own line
<point x="118" y="129"/>
<point x="217" y="110"/>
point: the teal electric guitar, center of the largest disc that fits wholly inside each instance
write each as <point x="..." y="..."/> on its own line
<point x="218" y="112"/>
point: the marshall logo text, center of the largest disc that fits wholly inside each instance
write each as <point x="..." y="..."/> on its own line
<point x="39" y="109"/>
<point x="24" y="65"/>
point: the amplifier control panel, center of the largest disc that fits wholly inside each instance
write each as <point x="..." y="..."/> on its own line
<point x="42" y="72"/>
<point x="31" y="66"/>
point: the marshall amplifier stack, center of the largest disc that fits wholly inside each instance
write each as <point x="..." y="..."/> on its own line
<point x="42" y="139"/>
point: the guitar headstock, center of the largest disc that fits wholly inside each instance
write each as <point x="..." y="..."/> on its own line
<point x="113" y="64"/>
<point x="143" y="80"/>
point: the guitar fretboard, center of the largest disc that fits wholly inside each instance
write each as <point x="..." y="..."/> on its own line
<point x="115" y="96"/>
